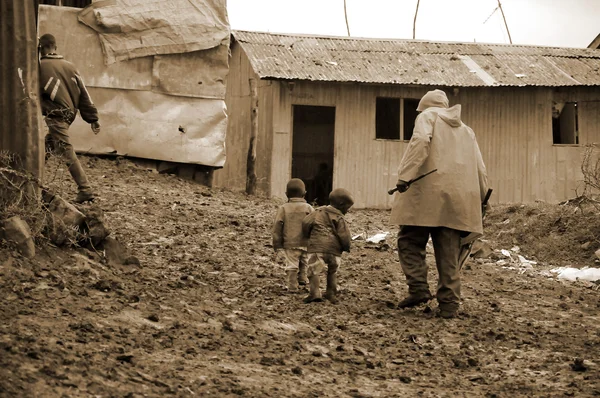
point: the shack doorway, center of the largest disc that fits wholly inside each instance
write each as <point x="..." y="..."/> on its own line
<point x="312" y="150"/>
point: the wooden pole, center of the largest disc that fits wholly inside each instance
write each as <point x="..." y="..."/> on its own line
<point x="251" y="159"/>
<point x="346" y="16"/>
<point x="20" y="118"/>
<point x="415" y="20"/>
<point x="505" y="24"/>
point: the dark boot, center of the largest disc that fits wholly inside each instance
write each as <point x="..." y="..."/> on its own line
<point x="314" y="294"/>
<point x="85" y="191"/>
<point x="448" y="310"/>
<point x="415" y="299"/>
<point x="331" y="291"/>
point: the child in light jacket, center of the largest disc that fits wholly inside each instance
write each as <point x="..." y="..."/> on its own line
<point x="288" y="240"/>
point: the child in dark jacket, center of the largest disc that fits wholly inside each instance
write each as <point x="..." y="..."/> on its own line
<point x="328" y="236"/>
<point x="288" y="240"/>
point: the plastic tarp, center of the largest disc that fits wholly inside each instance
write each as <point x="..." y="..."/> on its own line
<point x="138" y="28"/>
<point x="167" y="107"/>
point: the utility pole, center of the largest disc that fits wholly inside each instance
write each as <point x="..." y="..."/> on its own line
<point x="346" y="16"/>
<point x="505" y="24"/>
<point x="415" y="20"/>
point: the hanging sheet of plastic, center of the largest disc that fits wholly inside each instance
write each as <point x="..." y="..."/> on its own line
<point x="137" y="28"/>
<point x="168" y="107"/>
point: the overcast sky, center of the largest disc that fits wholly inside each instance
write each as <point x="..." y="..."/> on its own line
<point x="564" y="23"/>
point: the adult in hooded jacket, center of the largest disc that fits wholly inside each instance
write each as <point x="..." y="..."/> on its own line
<point x="444" y="205"/>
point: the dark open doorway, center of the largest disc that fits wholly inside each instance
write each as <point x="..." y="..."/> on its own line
<point x="312" y="150"/>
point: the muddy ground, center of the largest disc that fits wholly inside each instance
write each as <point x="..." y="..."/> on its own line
<point x="206" y="313"/>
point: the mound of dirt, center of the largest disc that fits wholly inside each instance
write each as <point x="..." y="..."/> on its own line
<point x="567" y="234"/>
<point x="204" y="311"/>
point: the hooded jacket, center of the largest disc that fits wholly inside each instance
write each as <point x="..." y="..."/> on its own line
<point x="63" y="91"/>
<point x="452" y="196"/>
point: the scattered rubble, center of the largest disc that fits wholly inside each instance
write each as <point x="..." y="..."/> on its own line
<point x="17" y="231"/>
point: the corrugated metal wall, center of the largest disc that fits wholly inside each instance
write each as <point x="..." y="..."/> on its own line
<point x="19" y="103"/>
<point x="237" y="98"/>
<point x="513" y="128"/>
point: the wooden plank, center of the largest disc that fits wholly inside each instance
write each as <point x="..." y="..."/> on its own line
<point x="251" y="159"/>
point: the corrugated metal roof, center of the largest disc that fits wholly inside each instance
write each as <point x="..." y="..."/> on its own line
<point x="394" y="61"/>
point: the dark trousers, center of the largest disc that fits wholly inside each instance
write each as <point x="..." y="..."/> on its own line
<point x="57" y="141"/>
<point x="412" y="244"/>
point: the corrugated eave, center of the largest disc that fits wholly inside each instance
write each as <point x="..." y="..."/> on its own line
<point x="421" y="63"/>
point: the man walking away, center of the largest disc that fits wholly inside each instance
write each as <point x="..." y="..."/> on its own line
<point x="62" y="94"/>
<point x="445" y="204"/>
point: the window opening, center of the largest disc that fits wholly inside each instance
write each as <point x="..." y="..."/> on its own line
<point x="67" y="3"/>
<point x="565" y="126"/>
<point x="395" y="118"/>
<point x="410" y="115"/>
<point x="387" y="118"/>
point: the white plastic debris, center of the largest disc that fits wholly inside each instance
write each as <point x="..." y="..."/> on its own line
<point x="359" y="236"/>
<point x="524" y="261"/>
<point x="377" y="238"/>
<point x="573" y="274"/>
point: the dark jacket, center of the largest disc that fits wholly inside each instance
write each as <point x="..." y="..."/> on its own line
<point x="63" y="91"/>
<point x="287" y="228"/>
<point x="327" y="231"/>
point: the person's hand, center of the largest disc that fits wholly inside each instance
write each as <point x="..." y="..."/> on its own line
<point x="402" y="186"/>
<point x="96" y="127"/>
<point x="485" y="208"/>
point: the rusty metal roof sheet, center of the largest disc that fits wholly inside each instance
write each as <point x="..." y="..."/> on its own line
<point x="395" y="61"/>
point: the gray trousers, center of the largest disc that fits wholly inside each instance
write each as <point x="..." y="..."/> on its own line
<point x="412" y="244"/>
<point x="57" y="141"/>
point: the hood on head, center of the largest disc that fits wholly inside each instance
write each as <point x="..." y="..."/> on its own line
<point x="435" y="98"/>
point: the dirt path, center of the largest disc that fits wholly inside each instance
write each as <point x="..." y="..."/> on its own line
<point x="206" y="313"/>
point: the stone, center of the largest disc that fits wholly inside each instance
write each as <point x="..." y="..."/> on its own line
<point x="67" y="212"/>
<point x="67" y="221"/>
<point x="94" y="227"/>
<point x="114" y="252"/>
<point x="586" y="245"/>
<point x="133" y="260"/>
<point x="17" y="231"/>
<point x="597" y="253"/>
<point x="481" y="249"/>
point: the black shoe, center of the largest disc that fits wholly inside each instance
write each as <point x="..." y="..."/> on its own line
<point x="448" y="312"/>
<point x="84" y="196"/>
<point x="414" y="299"/>
<point x="331" y="297"/>
<point x="309" y="300"/>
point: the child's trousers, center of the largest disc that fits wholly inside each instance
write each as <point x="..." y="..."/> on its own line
<point x="316" y="264"/>
<point x="295" y="263"/>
